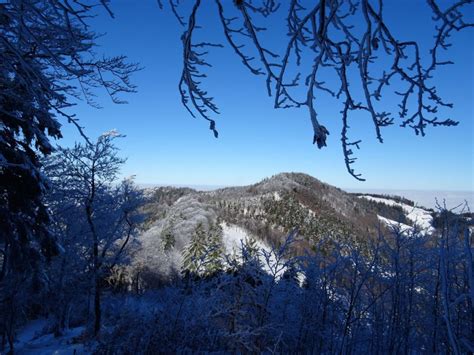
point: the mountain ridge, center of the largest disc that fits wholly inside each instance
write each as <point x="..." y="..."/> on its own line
<point x="266" y="211"/>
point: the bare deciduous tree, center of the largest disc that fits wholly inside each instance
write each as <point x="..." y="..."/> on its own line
<point x="86" y="195"/>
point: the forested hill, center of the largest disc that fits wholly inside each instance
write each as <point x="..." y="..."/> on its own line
<point x="267" y="211"/>
<point x="283" y="202"/>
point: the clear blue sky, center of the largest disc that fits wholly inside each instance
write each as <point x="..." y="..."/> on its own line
<point x="164" y="144"/>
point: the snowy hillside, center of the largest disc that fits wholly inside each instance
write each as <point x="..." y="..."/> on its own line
<point x="265" y="212"/>
<point x="421" y="217"/>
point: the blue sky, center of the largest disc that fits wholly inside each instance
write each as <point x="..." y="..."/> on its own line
<point x="165" y="145"/>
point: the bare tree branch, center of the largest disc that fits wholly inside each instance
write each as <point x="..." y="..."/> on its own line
<point x="338" y="35"/>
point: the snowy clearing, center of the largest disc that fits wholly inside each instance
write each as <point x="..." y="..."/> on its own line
<point x="397" y="226"/>
<point x="32" y="340"/>
<point x="421" y="217"/>
<point x="234" y="236"/>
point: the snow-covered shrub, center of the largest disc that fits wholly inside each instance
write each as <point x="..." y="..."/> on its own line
<point x="402" y="293"/>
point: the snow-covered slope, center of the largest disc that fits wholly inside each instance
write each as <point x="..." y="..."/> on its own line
<point x="419" y="216"/>
<point x="397" y="226"/>
<point x="233" y="238"/>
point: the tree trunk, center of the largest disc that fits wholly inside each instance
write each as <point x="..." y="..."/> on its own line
<point x="97" y="309"/>
<point x="96" y="267"/>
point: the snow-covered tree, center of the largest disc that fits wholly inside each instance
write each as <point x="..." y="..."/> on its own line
<point x="97" y="216"/>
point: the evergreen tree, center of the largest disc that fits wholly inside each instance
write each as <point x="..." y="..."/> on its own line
<point x="203" y="256"/>
<point x="167" y="238"/>
<point x="214" y="249"/>
<point x="195" y="253"/>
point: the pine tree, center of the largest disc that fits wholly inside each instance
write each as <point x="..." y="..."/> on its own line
<point x="195" y="253"/>
<point x="167" y="238"/>
<point x="47" y="62"/>
<point x="214" y="249"/>
<point x="203" y="256"/>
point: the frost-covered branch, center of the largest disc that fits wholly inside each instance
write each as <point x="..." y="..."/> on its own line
<point x="338" y="36"/>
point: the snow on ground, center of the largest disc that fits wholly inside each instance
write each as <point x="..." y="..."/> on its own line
<point x="421" y="217"/>
<point x="234" y="236"/>
<point x="32" y="340"/>
<point x="403" y="228"/>
<point x="426" y="198"/>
